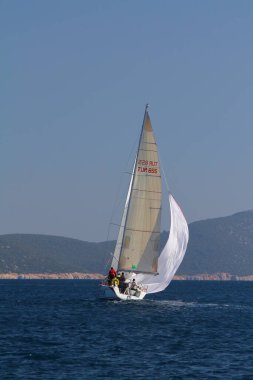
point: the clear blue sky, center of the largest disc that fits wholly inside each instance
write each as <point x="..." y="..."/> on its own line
<point x="74" y="80"/>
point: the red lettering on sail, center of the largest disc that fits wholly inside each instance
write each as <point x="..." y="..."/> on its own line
<point x="147" y="170"/>
<point x="145" y="166"/>
<point x="143" y="162"/>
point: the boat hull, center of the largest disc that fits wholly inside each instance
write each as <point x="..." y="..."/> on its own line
<point x="113" y="293"/>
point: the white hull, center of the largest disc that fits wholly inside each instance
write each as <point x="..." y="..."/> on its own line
<point x="113" y="293"/>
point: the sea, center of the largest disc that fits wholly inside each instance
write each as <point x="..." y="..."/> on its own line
<point x="62" y="329"/>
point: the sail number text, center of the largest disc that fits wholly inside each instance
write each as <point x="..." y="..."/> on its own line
<point x="147" y="166"/>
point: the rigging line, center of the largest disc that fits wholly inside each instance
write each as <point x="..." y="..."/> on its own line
<point x="164" y="175"/>
<point x="133" y="176"/>
<point x="114" y="257"/>
<point x="119" y="190"/>
<point x="107" y="263"/>
<point x="116" y="224"/>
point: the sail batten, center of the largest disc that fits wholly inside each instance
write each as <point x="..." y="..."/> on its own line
<point x="132" y="229"/>
<point x="148" y="191"/>
<point x="148" y="150"/>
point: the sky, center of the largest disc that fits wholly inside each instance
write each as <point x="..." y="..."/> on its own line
<point x="74" y="80"/>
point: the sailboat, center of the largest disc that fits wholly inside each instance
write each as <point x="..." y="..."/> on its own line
<point x="138" y="245"/>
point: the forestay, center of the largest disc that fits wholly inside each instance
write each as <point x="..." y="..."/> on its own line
<point x="115" y="260"/>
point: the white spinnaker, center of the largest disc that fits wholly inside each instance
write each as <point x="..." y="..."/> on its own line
<point x="172" y="254"/>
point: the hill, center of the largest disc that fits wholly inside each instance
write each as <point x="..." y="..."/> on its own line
<point x="220" y="245"/>
<point x="28" y="253"/>
<point x="216" y="245"/>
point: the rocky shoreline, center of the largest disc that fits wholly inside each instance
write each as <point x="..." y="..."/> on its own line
<point x="213" y="277"/>
<point x="99" y="276"/>
<point x="51" y="276"/>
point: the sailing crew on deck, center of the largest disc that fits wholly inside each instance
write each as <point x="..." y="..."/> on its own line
<point x="122" y="284"/>
<point x="133" y="284"/>
<point x="112" y="273"/>
<point x="133" y="287"/>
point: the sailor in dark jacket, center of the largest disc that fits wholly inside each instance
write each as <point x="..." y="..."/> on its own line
<point x="122" y="284"/>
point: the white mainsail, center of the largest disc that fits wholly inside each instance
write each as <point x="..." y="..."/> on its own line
<point x="137" y="247"/>
<point x="172" y="254"/>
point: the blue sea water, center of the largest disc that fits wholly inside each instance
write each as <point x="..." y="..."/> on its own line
<point x="63" y="330"/>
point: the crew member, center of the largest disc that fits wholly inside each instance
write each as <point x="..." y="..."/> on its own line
<point x="112" y="273"/>
<point x="122" y="284"/>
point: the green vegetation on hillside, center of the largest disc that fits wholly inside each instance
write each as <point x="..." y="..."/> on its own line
<point x="216" y="245"/>
<point x="25" y="253"/>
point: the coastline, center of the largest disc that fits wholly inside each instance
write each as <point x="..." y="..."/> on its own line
<point x="51" y="276"/>
<point x="99" y="276"/>
<point x="213" y="277"/>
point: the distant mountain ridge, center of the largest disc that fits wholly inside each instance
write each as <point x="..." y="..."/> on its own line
<point x="221" y="245"/>
<point x="30" y="253"/>
<point x="216" y="245"/>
